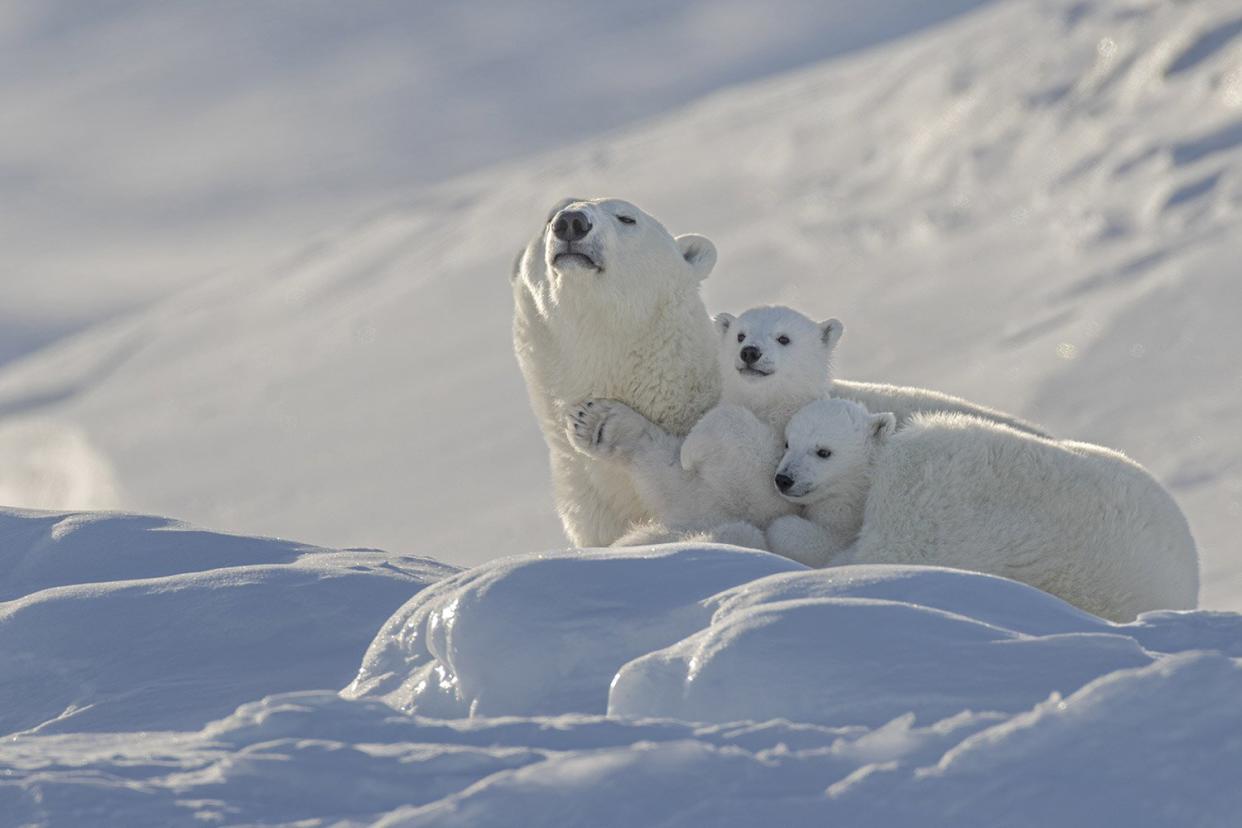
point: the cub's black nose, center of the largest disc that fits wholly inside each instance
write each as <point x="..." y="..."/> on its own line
<point x="571" y="225"/>
<point x="783" y="482"/>
<point x="751" y="354"/>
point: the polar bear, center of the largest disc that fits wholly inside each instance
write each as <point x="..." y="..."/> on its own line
<point x="773" y="361"/>
<point x="1082" y="522"/>
<point x="606" y="304"/>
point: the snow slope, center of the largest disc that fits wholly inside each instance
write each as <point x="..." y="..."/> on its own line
<point x="1035" y="205"/>
<point x="673" y="685"/>
<point x="152" y="144"/>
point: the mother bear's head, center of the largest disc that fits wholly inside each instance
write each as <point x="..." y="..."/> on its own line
<point x="607" y="258"/>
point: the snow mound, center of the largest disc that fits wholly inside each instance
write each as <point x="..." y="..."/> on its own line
<point x="1143" y="747"/>
<point x="859" y="661"/>
<point x="678" y="685"/>
<point x="1035" y="205"/>
<point x="118" y="622"/>
<point x="544" y="634"/>
<point x="718" y="634"/>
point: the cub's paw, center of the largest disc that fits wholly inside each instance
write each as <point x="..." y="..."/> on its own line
<point x="739" y="533"/>
<point x="605" y="428"/>
<point x="801" y="540"/>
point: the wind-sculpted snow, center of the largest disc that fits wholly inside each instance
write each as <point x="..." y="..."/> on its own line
<point x="718" y="634"/>
<point x="113" y="622"/>
<point x="1035" y="205"/>
<point x="544" y="634"/>
<point x="740" y="688"/>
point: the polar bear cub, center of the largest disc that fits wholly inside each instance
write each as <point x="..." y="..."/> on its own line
<point x="773" y="361"/>
<point x="1082" y="522"/>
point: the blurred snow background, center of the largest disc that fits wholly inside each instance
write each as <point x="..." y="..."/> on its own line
<point x="146" y="145"/>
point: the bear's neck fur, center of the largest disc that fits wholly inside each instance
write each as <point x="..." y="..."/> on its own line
<point x="669" y="347"/>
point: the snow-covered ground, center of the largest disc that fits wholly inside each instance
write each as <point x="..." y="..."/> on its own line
<point x="1036" y="205"/>
<point x="674" y="685"/>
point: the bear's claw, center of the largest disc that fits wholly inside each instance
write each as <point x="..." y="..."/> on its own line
<point x="603" y="428"/>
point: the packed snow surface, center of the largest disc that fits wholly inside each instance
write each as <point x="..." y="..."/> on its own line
<point x="672" y="685"/>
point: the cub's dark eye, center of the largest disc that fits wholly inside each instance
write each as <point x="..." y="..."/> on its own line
<point x="627" y="220"/>
<point x="784" y="340"/>
<point x="741" y="337"/>
<point x="823" y="454"/>
<point x="786" y="445"/>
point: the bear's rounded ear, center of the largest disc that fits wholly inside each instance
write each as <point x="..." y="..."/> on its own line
<point x="560" y="205"/>
<point x="830" y="331"/>
<point x="723" y="321"/>
<point x="699" y="253"/>
<point x="883" y="425"/>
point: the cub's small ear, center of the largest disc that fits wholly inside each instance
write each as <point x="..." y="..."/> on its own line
<point x="883" y="425"/>
<point x="560" y="205"/>
<point x="699" y="253"/>
<point x="723" y="321"/>
<point x="830" y="331"/>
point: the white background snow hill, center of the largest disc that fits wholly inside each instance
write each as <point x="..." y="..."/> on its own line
<point x="159" y="143"/>
<point x="1035" y="205"/>
<point x="675" y="685"/>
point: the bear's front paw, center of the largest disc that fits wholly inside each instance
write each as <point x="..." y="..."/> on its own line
<point x="605" y="428"/>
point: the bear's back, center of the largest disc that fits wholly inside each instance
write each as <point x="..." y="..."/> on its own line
<point x="1077" y="520"/>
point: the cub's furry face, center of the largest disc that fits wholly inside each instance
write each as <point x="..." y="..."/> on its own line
<point x="773" y="353"/>
<point x="827" y="444"/>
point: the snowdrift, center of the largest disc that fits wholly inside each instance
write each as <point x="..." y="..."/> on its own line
<point x="676" y="685"/>
<point x="119" y="622"/>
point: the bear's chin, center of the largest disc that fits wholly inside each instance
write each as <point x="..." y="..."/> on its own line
<point x="575" y="261"/>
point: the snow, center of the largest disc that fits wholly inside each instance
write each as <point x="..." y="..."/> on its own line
<point x="544" y="634"/>
<point x="1034" y="204"/>
<point x="674" y="685"/>
<point x="108" y="621"/>
<point x="170" y="142"/>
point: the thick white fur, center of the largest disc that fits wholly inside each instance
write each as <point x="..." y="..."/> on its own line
<point x="722" y="471"/>
<point x="1079" y="521"/>
<point x="636" y="332"/>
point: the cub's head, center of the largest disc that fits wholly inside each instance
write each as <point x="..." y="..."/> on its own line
<point x="609" y="255"/>
<point x="775" y="353"/>
<point x="827" y="444"/>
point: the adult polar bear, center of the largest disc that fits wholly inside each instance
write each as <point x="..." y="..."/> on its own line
<point x="606" y="304"/>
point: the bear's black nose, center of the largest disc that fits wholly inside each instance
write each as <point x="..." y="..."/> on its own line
<point x="751" y="354"/>
<point x="571" y="225"/>
<point x="783" y="482"/>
